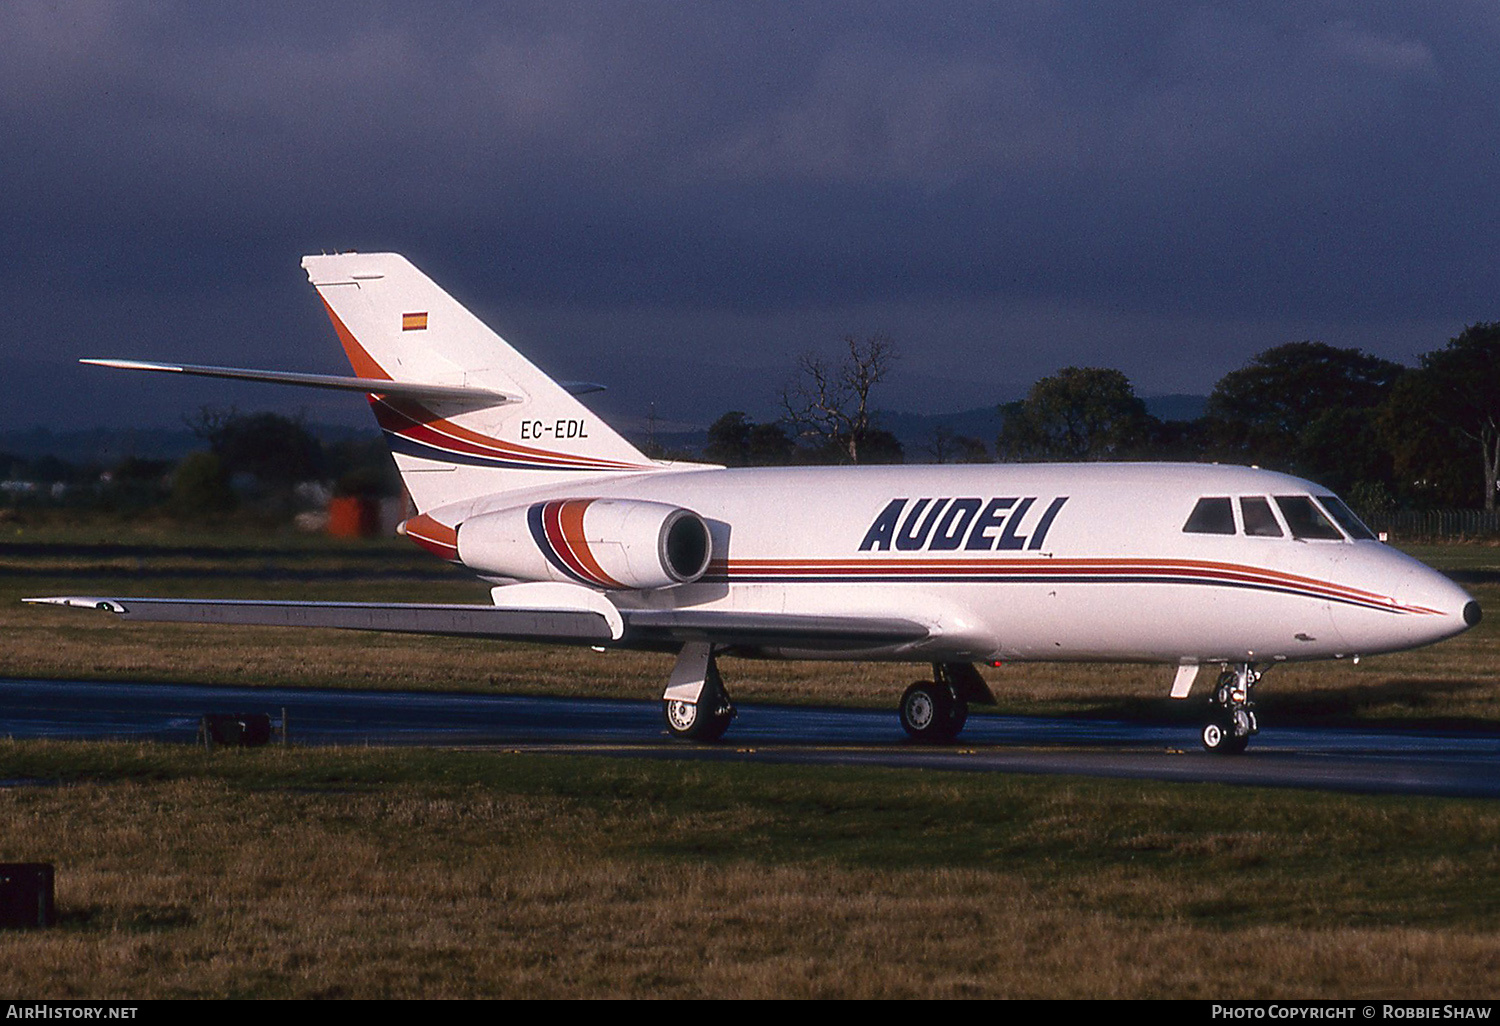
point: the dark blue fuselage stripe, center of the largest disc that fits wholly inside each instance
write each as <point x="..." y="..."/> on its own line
<point x="1035" y="579"/>
<point x="534" y="520"/>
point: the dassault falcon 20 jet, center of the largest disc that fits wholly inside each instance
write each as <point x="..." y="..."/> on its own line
<point x="588" y="541"/>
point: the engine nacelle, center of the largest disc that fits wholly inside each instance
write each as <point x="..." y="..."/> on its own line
<point x="615" y="544"/>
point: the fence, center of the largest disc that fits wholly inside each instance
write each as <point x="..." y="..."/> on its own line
<point x="1434" y="523"/>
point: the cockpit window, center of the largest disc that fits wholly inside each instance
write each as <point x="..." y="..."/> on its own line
<point x="1210" y="516"/>
<point x="1346" y="518"/>
<point x="1305" y="519"/>
<point x="1260" y="522"/>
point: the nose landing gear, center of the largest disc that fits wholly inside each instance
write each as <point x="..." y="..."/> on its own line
<point x="1231" y="713"/>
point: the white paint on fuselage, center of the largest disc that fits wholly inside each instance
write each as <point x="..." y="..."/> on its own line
<point x="1116" y="579"/>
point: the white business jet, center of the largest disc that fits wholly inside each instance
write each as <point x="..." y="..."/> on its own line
<point x="588" y="541"/>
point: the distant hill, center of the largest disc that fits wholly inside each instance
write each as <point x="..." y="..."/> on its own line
<point x="917" y="430"/>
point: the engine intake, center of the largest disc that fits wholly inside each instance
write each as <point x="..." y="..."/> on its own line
<point x="615" y="544"/>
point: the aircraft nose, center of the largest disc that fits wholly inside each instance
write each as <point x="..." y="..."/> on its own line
<point x="1414" y="605"/>
<point x="1447" y="608"/>
<point x="1457" y="610"/>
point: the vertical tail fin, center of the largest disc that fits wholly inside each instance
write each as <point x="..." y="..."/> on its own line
<point x="395" y="324"/>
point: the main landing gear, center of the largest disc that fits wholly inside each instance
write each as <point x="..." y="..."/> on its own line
<point x="935" y="710"/>
<point x="1231" y="713"/>
<point x="695" y="704"/>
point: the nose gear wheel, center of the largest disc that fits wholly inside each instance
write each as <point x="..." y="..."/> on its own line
<point x="1231" y="712"/>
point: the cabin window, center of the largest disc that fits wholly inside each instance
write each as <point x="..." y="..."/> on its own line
<point x="1210" y="516"/>
<point x="1305" y="519"/>
<point x="1260" y="522"/>
<point x="1346" y="519"/>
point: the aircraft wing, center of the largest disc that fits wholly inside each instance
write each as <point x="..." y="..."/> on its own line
<point x="553" y="616"/>
<point x="582" y="626"/>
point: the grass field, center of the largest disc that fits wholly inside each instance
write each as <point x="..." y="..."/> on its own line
<point x="363" y="873"/>
<point x="369" y="873"/>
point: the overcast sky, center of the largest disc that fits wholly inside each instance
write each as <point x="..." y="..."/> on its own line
<point x="678" y="199"/>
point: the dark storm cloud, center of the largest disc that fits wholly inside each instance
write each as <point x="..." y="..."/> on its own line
<point x="1191" y="180"/>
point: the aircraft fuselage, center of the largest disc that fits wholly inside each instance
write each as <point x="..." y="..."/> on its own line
<point x="1043" y="562"/>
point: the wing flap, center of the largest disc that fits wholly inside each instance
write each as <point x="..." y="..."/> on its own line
<point x="728" y="627"/>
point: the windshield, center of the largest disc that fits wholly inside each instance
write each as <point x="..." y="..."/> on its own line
<point x="1305" y="519"/>
<point x="1210" y="516"/>
<point x="1346" y="518"/>
<point x="1260" y="522"/>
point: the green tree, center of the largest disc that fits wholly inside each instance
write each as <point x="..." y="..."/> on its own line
<point x="1077" y="414"/>
<point x="1430" y="463"/>
<point x="1457" y="391"/>
<point x="1307" y="408"/>
<point x="770" y="446"/>
<point x="729" y="439"/>
<point x="265" y="456"/>
<point x="275" y="449"/>
<point x="200" y="488"/>
<point x="737" y="441"/>
<point x="136" y="484"/>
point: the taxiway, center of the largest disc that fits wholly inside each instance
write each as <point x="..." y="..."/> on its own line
<point x="1368" y="760"/>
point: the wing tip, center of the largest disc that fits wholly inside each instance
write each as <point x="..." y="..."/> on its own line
<point x="76" y="602"/>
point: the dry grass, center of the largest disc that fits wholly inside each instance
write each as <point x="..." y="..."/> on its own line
<point x="303" y="874"/>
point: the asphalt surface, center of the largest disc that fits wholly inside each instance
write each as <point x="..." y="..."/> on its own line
<point x="1377" y="761"/>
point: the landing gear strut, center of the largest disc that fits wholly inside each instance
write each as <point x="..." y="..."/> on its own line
<point x="935" y="710"/>
<point x="1231" y="713"/>
<point x="695" y="704"/>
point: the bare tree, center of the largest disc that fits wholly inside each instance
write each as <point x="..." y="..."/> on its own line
<point x="832" y="403"/>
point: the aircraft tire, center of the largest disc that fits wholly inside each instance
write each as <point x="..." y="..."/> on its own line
<point x="687" y="720"/>
<point x="1218" y="738"/>
<point x="930" y="712"/>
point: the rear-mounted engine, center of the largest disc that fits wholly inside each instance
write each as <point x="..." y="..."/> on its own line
<point x="616" y="544"/>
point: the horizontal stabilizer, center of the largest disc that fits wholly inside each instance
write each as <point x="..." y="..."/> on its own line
<point x="476" y="397"/>
<point x="586" y="627"/>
